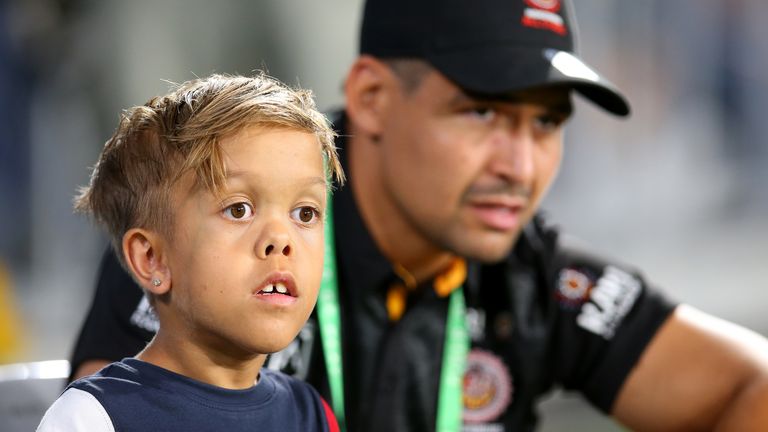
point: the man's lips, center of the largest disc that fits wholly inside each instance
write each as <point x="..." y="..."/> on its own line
<point x="501" y="213"/>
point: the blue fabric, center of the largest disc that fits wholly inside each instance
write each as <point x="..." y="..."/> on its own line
<point x="139" y="396"/>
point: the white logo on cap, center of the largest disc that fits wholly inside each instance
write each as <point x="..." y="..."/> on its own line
<point x="570" y="66"/>
<point x="543" y="14"/>
<point x="550" y="5"/>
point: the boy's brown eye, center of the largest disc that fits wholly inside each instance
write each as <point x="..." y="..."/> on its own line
<point x="241" y="211"/>
<point x="238" y="211"/>
<point x="306" y="214"/>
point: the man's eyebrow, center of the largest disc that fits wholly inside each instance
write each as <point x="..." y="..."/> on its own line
<point x="562" y="106"/>
<point x="460" y="97"/>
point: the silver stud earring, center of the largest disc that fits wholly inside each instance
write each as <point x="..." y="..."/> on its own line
<point x="156" y="282"/>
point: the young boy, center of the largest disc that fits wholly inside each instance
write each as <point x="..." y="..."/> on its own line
<point x="214" y="197"/>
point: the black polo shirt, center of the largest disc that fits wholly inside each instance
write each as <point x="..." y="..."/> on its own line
<point x="550" y="315"/>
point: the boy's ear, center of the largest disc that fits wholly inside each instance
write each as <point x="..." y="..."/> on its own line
<point x="143" y="252"/>
<point x="369" y="89"/>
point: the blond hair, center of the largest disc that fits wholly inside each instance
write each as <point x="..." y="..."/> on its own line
<point x="158" y="142"/>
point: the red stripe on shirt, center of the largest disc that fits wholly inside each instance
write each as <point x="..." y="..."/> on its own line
<point x="333" y="424"/>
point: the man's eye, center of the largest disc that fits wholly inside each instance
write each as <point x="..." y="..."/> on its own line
<point x="238" y="211"/>
<point x="483" y="113"/>
<point x="549" y="123"/>
<point x="305" y="214"/>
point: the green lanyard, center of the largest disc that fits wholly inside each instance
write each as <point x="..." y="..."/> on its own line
<point x="449" y="404"/>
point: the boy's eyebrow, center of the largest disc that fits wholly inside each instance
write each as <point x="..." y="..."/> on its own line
<point x="309" y="180"/>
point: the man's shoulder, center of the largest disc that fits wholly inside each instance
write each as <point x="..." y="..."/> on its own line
<point x="547" y="244"/>
<point x="549" y="258"/>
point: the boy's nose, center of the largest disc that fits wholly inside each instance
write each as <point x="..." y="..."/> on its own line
<point x="275" y="240"/>
<point x="270" y="249"/>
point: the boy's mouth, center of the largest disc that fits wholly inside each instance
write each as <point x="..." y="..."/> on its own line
<point x="278" y="284"/>
<point x="276" y="288"/>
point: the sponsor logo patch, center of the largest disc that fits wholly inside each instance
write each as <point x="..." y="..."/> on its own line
<point x="544" y="14"/>
<point x="476" y="324"/>
<point x="487" y="387"/>
<point x="609" y="302"/>
<point x="573" y="288"/>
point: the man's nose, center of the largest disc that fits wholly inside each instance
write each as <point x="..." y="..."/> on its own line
<point x="514" y="154"/>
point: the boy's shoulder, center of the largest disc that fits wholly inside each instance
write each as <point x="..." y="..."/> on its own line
<point x="119" y="378"/>
<point x="129" y="375"/>
<point x="80" y="406"/>
<point x="287" y="385"/>
<point x="310" y="410"/>
<point x="122" y="389"/>
<point x="75" y="411"/>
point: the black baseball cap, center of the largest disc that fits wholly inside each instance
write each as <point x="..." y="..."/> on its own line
<point x="488" y="47"/>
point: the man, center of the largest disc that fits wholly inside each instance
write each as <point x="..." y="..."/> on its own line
<point x="451" y="135"/>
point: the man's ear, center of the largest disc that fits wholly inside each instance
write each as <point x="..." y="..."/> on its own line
<point x="143" y="252"/>
<point x="369" y="90"/>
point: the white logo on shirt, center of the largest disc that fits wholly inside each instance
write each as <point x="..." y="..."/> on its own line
<point x="613" y="296"/>
<point x="144" y="316"/>
<point x="294" y="359"/>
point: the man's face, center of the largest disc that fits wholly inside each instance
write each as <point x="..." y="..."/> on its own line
<point x="467" y="173"/>
<point x="246" y="265"/>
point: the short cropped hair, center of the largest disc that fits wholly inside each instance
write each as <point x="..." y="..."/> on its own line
<point x="158" y="142"/>
<point x="409" y="71"/>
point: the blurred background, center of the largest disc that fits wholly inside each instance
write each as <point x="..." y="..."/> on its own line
<point x="678" y="190"/>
